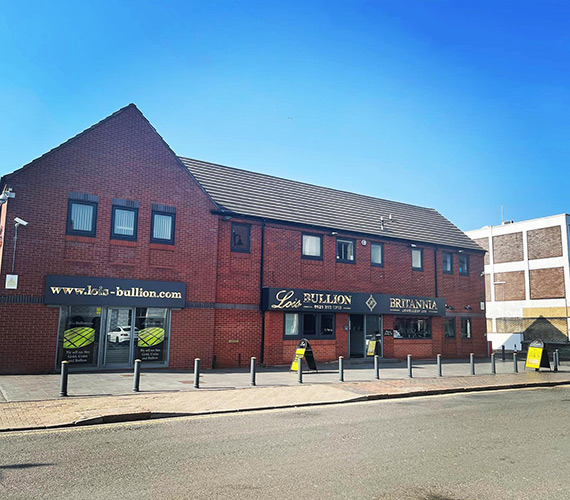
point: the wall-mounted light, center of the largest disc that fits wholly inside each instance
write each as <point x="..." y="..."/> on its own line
<point x="468" y="308"/>
<point x="227" y="217"/>
<point x="451" y="308"/>
<point x="334" y="233"/>
<point x="413" y="245"/>
<point x="459" y="251"/>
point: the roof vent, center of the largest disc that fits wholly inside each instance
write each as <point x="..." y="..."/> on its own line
<point x="505" y="222"/>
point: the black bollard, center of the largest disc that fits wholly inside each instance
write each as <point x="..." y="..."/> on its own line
<point x="472" y="363"/>
<point x="439" y="367"/>
<point x="493" y="365"/>
<point x="197" y="373"/>
<point x="515" y="363"/>
<point x="377" y="367"/>
<point x="252" y="372"/>
<point x="503" y="353"/>
<point x="409" y="365"/>
<point x="137" y="376"/>
<point x="341" y="368"/>
<point x="300" y="370"/>
<point x="63" y="381"/>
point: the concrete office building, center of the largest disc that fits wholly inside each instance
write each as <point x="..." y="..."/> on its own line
<point x="527" y="280"/>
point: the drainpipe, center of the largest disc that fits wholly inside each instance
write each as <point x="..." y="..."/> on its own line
<point x="435" y="268"/>
<point x="261" y="267"/>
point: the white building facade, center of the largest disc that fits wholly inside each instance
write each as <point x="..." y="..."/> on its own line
<point x="527" y="280"/>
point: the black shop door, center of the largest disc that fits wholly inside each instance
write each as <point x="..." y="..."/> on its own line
<point x="356" y="335"/>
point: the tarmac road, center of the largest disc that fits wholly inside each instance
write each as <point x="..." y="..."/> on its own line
<point x="497" y="445"/>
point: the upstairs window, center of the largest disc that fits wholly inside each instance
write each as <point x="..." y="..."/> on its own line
<point x="345" y="250"/>
<point x="162" y="224"/>
<point x="82" y="214"/>
<point x="312" y="246"/>
<point x="240" y="237"/>
<point x="447" y="262"/>
<point x="377" y="254"/>
<point x="417" y="259"/>
<point x="124" y="219"/>
<point x="464" y="264"/>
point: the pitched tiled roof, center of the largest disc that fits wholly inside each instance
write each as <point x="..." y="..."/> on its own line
<point x="259" y="195"/>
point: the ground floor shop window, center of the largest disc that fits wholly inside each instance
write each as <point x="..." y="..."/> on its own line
<point x="412" y="328"/>
<point x="80" y="328"/>
<point x="450" y="328"/>
<point x="310" y="325"/>
<point x="152" y="338"/>
<point x="466" y="328"/>
<point x="113" y="337"/>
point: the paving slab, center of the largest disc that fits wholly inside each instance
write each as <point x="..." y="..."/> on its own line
<point x="81" y="410"/>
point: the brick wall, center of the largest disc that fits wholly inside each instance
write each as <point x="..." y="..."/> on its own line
<point x="513" y="287"/>
<point x="508" y="248"/>
<point x="122" y="157"/>
<point x="545" y="242"/>
<point x="547" y="283"/>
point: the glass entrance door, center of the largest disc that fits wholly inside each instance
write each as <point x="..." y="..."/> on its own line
<point x="120" y="336"/>
<point x="373" y="330"/>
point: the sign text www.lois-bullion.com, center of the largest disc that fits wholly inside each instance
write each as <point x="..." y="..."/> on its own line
<point x="118" y="292"/>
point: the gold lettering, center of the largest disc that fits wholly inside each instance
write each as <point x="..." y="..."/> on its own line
<point x="348" y="299"/>
<point x="283" y="297"/>
<point x="306" y="297"/>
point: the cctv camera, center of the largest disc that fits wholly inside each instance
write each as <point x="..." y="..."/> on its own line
<point x="19" y="221"/>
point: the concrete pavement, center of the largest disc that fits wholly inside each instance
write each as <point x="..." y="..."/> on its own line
<point x="32" y="402"/>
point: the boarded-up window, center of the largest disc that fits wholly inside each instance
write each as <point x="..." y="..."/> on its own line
<point x="544" y="243"/>
<point x="508" y="248"/>
<point x="547" y="283"/>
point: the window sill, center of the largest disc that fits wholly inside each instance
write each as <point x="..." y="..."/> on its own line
<point x="162" y="246"/>
<point x="340" y="261"/>
<point x="308" y="257"/>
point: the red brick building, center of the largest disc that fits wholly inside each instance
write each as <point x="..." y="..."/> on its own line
<point x="132" y="252"/>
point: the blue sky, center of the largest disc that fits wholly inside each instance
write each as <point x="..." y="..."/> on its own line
<point x="457" y="105"/>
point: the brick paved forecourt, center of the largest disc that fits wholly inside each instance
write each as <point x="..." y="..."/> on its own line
<point x="82" y="410"/>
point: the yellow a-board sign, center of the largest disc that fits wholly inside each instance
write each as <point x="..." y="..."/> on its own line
<point x="537" y="356"/>
<point x="533" y="357"/>
<point x="304" y="352"/>
<point x="371" y="348"/>
<point x="299" y="353"/>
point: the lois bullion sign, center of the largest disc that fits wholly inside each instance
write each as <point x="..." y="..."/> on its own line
<point x="292" y="299"/>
